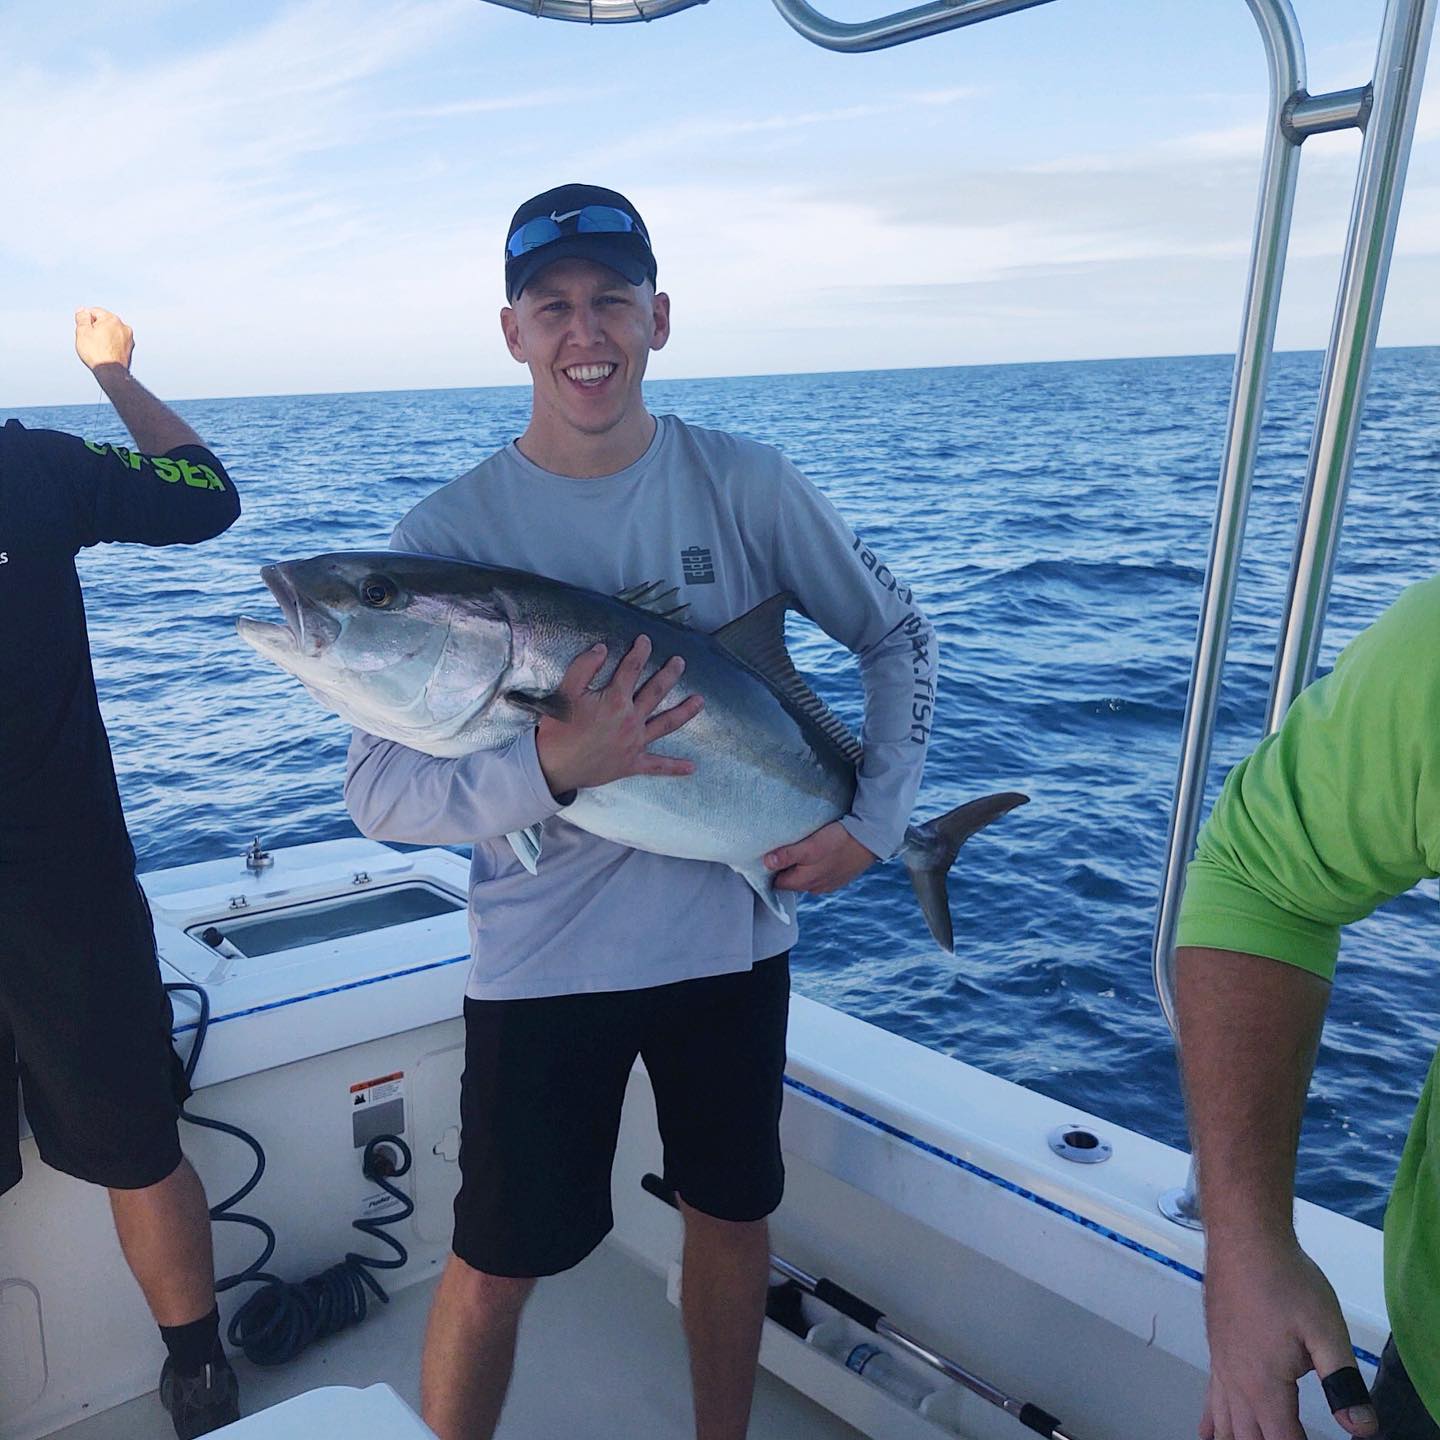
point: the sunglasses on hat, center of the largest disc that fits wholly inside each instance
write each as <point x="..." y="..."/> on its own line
<point x="588" y="220"/>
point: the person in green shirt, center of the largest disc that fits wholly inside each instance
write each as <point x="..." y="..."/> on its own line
<point x="1332" y="815"/>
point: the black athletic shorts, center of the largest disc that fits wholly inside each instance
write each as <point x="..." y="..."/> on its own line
<point x="85" y="1025"/>
<point x="542" y="1093"/>
<point x="1402" y="1413"/>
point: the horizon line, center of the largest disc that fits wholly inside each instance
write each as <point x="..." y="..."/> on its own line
<point x="686" y="379"/>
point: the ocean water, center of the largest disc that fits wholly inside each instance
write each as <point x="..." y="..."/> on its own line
<point x="1053" y="520"/>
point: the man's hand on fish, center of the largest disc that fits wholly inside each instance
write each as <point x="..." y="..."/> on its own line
<point x="102" y="338"/>
<point x="609" y="731"/>
<point x="827" y="860"/>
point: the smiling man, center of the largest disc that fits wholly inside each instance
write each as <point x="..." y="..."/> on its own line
<point x="587" y="415"/>
<point x="607" y="952"/>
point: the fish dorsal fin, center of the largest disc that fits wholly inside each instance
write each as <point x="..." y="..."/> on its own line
<point x="758" y="639"/>
<point x="654" y="597"/>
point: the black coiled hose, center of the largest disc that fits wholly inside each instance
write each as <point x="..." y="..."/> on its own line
<point x="280" y="1319"/>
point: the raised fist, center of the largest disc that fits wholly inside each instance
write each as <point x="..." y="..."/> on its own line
<point x="102" y="338"/>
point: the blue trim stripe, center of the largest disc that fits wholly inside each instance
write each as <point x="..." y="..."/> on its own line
<point x="885" y="1128"/>
<point x="331" y="990"/>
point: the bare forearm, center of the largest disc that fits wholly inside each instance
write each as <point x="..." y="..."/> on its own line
<point x="153" y="425"/>
<point x="1249" y="1030"/>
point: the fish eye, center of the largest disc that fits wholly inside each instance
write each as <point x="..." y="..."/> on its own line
<point x="379" y="592"/>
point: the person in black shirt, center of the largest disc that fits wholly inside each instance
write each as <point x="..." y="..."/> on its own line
<point x="84" y="1020"/>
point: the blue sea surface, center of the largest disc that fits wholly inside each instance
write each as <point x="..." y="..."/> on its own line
<point x="1053" y="521"/>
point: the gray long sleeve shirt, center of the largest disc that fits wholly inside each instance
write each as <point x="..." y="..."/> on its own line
<point x="731" y="522"/>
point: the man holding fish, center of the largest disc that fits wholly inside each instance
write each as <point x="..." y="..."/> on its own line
<point x="645" y="780"/>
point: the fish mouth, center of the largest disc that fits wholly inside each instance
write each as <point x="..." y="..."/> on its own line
<point x="307" y="629"/>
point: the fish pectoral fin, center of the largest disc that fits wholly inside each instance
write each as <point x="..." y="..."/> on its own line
<point x="555" y="705"/>
<point x="780" y="903"/>
<point x="526" y="845"/>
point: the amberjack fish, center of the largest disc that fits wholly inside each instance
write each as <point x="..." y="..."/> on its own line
<point x="448" y="657"/>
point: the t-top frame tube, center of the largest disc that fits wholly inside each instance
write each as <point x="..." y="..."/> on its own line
<point x="896" y="29"/>
<point x="1379" y="186"/>
<point x="1387" y="111"/>
<point x="1280" y="169"/>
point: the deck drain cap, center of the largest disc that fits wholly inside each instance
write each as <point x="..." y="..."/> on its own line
<point x="1079" y="1144"/>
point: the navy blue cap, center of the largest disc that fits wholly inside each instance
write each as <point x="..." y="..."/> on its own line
<point x="625" y="251"/>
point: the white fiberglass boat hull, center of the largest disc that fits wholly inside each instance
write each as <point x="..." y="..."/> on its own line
<point x="925" y="1186"/>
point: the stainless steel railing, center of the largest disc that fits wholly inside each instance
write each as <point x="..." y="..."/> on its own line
<point x="913" y="24"/>
<point x="1379" y="185"/>
<point x="1285" y="54"/>
<point x="1386" y="109"/>
<point x="598" y="12"/>
<point x="896" y="29"/>
<point x="1280" y="169"/>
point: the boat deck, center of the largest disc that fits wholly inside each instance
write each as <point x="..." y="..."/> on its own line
<point x="577" y="1371"/>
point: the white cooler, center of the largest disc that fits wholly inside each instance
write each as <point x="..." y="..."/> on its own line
<point x="375" y="1413"/>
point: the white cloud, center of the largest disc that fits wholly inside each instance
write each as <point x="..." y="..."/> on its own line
<point x="311" y="203"/>
<point x="495" y="104"/>
<point x="157" y="164"/>
<point x="681" y="138"/>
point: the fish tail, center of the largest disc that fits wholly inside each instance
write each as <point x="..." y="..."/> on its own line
<point x="930" y="850"/>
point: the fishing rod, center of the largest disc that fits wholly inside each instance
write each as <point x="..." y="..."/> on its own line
<point x="866" y="1315"/>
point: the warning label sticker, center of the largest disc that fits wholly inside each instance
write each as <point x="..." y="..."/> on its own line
<point x="377" y="1107"/>
<point x="375" y="1092"/>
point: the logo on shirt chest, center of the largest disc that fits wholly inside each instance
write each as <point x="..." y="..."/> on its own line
<point x="697" y="565"/>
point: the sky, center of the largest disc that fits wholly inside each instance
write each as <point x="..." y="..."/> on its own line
<point x="290" y="196"/>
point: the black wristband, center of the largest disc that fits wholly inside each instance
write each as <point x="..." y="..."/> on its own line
<point x="1345" y="1388"/>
